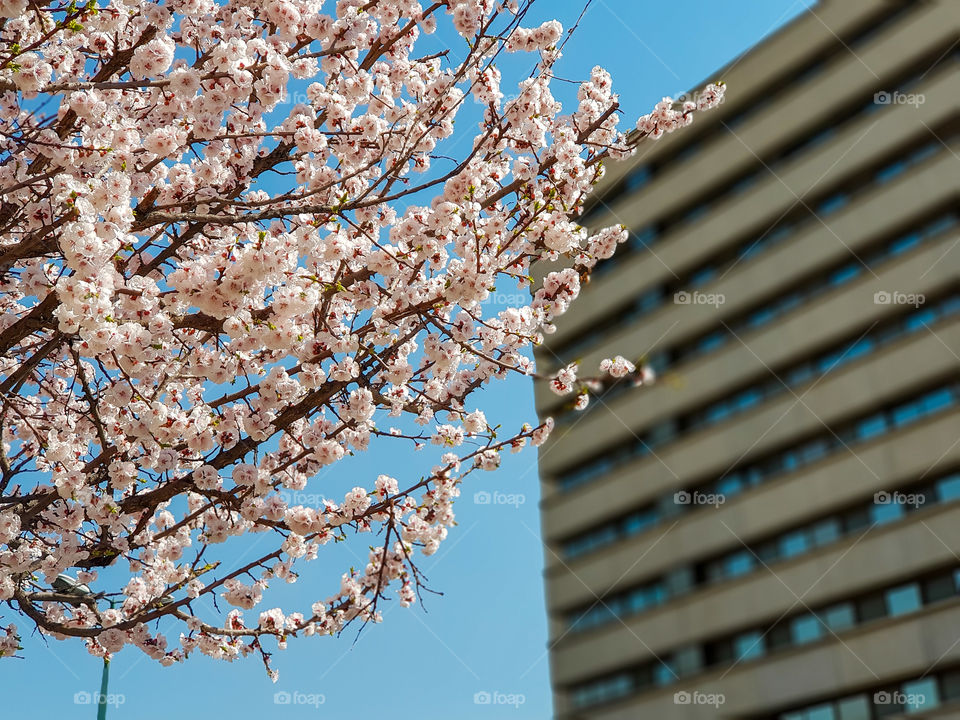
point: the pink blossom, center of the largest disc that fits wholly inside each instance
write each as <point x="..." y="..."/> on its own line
<point x="563" y="382"/>
<point x="618" y="367"/>
<point x="231" y="258"/>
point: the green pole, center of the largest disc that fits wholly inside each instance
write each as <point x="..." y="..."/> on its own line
<point x="104" y="679"/>
<point x="102" y="700"/>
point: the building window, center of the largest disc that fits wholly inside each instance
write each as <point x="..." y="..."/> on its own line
<point x="839" y="617"/>
<point x="949" y="488"/>
<point x="805" y="629"/>
<point x="827" y="531"/>
<point x="637" y="178"/>
<point x="854" y="708"/>
<point x="749" y="645"/>
<point x="795" y="543"/>
<point x="921" y="695"/>
<point x="902" y="600"/>
<point x="883" y="514"/>
<point x="833" y="203"/>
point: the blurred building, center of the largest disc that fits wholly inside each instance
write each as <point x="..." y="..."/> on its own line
<point x="772" y="530"/>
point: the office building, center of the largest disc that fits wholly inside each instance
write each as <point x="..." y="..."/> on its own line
<point x="772" y="529"/>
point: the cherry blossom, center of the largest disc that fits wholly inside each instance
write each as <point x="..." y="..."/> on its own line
<point x="564" y="381"/>
<point x="618" y="367"/>
<point x="236" y="237"/>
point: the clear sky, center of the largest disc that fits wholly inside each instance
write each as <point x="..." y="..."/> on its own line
<point x="487" y="633"/>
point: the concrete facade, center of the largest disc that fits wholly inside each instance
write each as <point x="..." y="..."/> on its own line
<point x="776" y="521"/>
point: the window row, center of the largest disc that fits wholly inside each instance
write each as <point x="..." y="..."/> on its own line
<point x="792" y="543"/>
<point x="764" y="640"/>
<point x="918" y="695"/>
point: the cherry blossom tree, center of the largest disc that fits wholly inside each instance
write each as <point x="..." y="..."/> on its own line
<point x="239" y="238"/>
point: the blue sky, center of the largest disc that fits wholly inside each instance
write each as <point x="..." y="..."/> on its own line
<point x="487" y="633"/>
